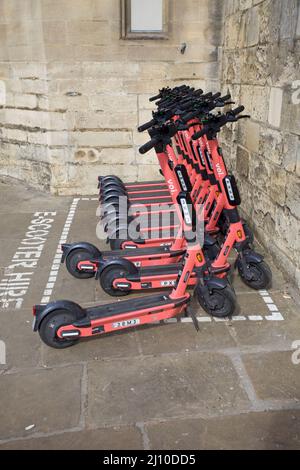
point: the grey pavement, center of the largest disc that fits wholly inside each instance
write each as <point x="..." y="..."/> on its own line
<point x="235" y="384"/>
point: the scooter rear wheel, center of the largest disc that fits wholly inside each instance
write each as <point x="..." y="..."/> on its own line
<point x="50" y="325"/>
<point x="221" y="302"/>
<point x="72" y="260"/>
<point x="258" y="276"/>
<point x="107" y="278"/>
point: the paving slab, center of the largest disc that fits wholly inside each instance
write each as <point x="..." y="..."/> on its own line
<point x="182" y="338"/>
<point x="139" y="389"/>
<point x="127" y="437"/>
<point x="116" y="345"/>
<point x="14" y="224"/>
<point x="22" y="346"/>
<point x="270" y="334"/>
<point x="161" y="375"/>
<point x="67" y="287"/>
<point x="9" y="247"/>
<point x="18" y="196"/>
<point x="49" y="399"/>
<point x="84" y="223"/>
<point x="274" y="375"/>
<point x="273" y="430"/>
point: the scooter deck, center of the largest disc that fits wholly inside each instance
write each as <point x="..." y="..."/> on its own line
<point x="155" y="271"/>
<point x="131" y="305"/>
<point x="140" y="252"/>
<point x="145" y="194"/>
<point x="145" y="183"/>
<point x="158" y="270"/>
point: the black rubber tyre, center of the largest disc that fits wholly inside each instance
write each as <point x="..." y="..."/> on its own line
<point x="111" y="200"/>
<point x="116" y="243"/>
<point x="107" y="278"/>
<point x="261" y="275"/>
<point x="116" y="223"/>
<point x="222" y="302"/>
<point x="112" y="190"/>
<point x="112" y="185"/>
<point x="110" y="178"/>
<point x="72" y="261"/>
<point x="51" y="323"/>
<point x="112" y="195"/>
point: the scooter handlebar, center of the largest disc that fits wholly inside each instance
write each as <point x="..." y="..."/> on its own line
<point x="147" y="125"/>
<point x="154" y="98"/>
<point x="226" y="97"/>
<point x="149" y="145"/>
<point x="216" y="96"/>
<point x="238" y="110"/>
<point x="189" y="116"/>
<point x="201" y="133"/>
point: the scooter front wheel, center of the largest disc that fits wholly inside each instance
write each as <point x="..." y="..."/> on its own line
<point x="72" y="260"/>
<point x="255" y="275"/>
<point x="219" y="303"/>
<point x="107" y="278"/>
<point x="51" y="324"/>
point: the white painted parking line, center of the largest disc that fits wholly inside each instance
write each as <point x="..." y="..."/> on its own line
<point x="57" y="257"/>
<point x="255" y="318"/>
<point x="275" y="314"/>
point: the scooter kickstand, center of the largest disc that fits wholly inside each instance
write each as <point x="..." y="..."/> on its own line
<point x="191" y="313"/>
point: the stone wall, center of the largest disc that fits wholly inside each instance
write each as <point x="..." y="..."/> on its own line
<point x="72" y="92"/>
<point x="260" y="66"/>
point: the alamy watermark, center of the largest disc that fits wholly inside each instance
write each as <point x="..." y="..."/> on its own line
<point x="2" y="353"/>
<point x="2" y="93"/>
<point x="120" y="220"/>
<point x="296" y="353"/>
<point x="296" y="92"/>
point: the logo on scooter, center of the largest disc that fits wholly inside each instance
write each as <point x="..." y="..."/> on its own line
<point x="168" y="283"/>
<point x="171" y="186"/>
<point x="219" y="169"/>
<point x="126" y="323"/>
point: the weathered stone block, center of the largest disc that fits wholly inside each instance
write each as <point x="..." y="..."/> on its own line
<point x="242" y="162"/>
<point x="113" y="156"/>
<point x="278" y="185"/>
<point x="245" y="4"/>
<point x="252" y="135"/>
<point x="271" y="145"/>
<point x="88" y="32"/>
<point x="288" y="20"/>
<point x="101" y="139"/>
<point x="275" y="107"/>
<point x="293" y="196"/>
<point x="252" y="27"/>
<point x="269" y="16"/>
<point x="54" y="32"/>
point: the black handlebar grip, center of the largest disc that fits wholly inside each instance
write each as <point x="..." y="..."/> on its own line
<point x="154" y="98"/>
<point x="186" y="105"/>
<point x="201" y="133"/>
<point x="189" y="116"/>
<point x="207" y="95"/>
<point x="216" y="96"/>
<point x="226" y="97"/>
<point x="238" y="110"/>
<point x="147" y="125"/>
<point x="148" y="146"/>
